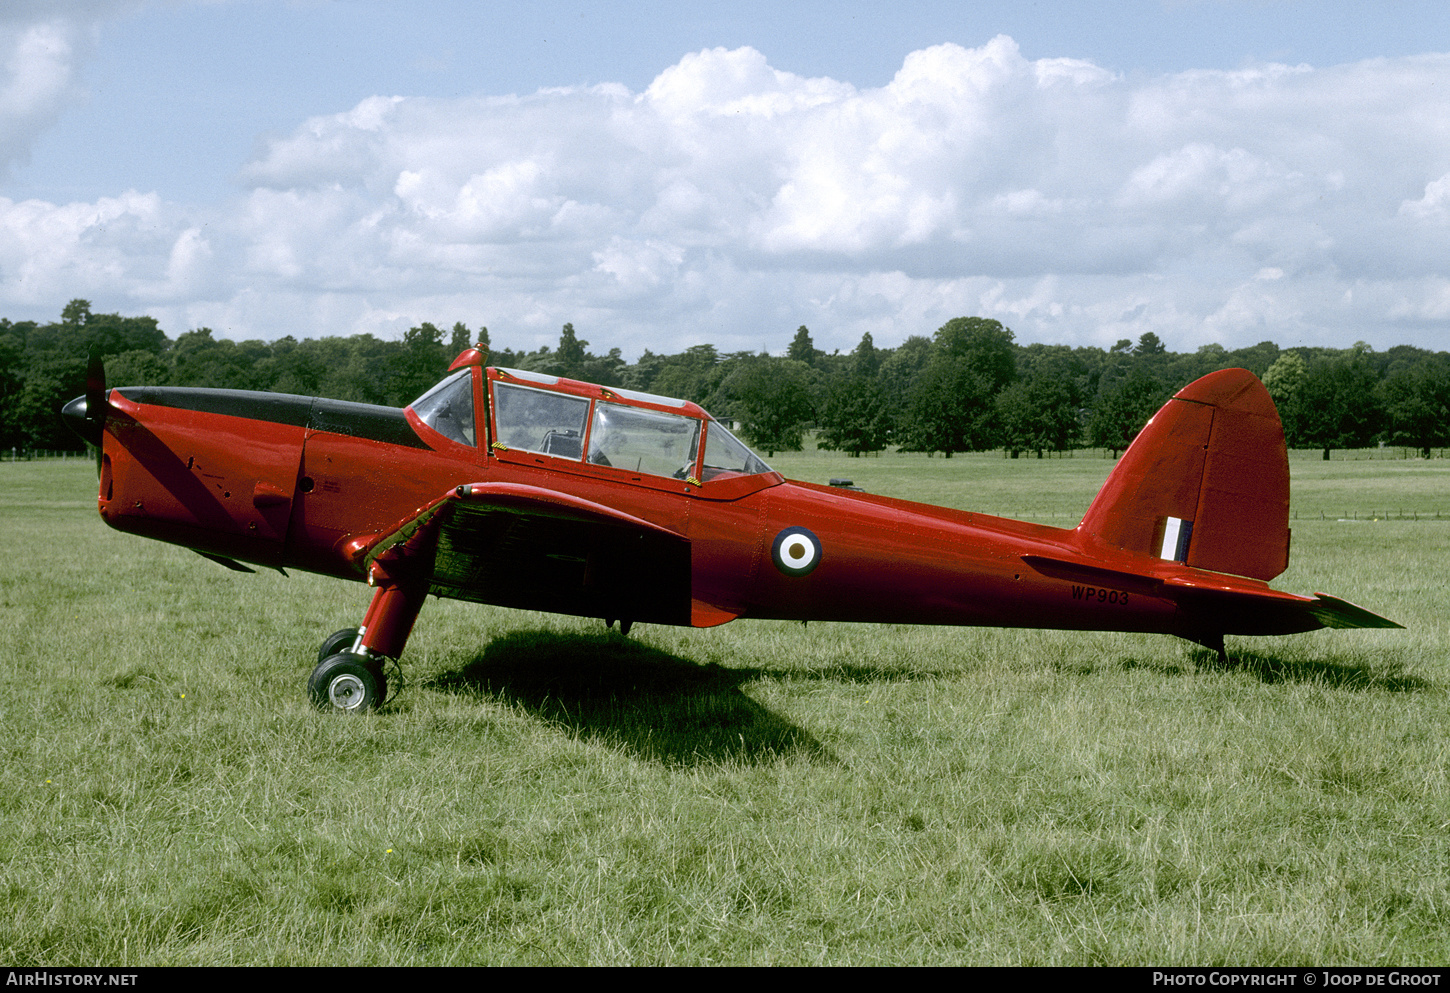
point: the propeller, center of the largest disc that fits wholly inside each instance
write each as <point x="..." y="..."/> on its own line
<point x="86" y="415"/>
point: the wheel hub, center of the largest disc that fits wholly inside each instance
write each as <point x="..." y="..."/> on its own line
<point x="346" y="692"/>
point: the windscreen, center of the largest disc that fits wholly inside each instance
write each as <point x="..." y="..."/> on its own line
<point x="448" y="407"/>
<point x="726" y="454"/>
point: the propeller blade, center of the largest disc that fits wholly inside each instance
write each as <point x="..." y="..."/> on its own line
<point x="86" y="415"/>
<point x="96" y="402"/>
<point x="95" y="387"/>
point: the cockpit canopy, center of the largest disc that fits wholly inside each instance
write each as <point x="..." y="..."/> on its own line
<point x="601" y="426"/>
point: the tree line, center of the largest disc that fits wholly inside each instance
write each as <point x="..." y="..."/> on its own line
<point x="968" y="387"/>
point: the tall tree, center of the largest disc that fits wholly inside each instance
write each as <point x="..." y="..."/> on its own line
<point x="694" y="374"/>
<point x="853" y="415"/>
<point x="569" y="360"/>
<point x="606" y="370"/>
<point x="984" y="344"/>
<point x="772" y="399"/>
<point x="197" y="358"/>
<point x="460" y="341"/>
<point x="1285" y="382"/>
<point x="802" y="349"/>
<point x="76" y="312"/>
<point x="854" y="418"/>
<point x="1338" y="405"/>
<point x="1123" y="408"/>
<point x="865" y="359"/>
<point x="1417" y="403"/>
<point x="951" y="409"/>
<point x="1150" y="344"/>
<point x="899" y="371"/>
<point x="422" y="361"/>
<point x="1038" y="415"/>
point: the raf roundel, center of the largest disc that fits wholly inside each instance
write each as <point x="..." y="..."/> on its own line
<point x="796" y="551"/>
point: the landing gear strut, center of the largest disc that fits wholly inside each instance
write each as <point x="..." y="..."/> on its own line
<point x="349" y="677"/>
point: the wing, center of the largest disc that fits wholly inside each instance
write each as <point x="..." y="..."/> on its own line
<point x="533" y="548"/>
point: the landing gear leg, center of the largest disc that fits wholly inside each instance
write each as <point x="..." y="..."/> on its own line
<point x="390" y="618"/>
<point x="351" y="678"/>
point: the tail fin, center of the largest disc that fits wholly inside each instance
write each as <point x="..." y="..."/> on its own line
<point x="1206" y="482"/>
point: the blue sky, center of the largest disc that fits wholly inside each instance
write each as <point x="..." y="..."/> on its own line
<point x="666" y="174"/>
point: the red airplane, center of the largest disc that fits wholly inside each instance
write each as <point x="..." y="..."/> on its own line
<point x="526" y="490"/>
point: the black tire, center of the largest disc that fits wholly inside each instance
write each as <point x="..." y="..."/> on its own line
<point x="344" y="683"/>
<point x="338" y="641"/>
<point x="375" y="666"/>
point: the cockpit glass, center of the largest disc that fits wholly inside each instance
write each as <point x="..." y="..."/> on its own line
<point x="725" y="454"/>
<point x="540" y="421"/>
<point x="448" y="407"/>
<point x="647" y="441"/>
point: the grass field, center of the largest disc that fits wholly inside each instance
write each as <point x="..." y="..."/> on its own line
<point x="542" y="792"/>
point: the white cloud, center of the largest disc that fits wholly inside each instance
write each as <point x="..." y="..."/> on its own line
<point x="42" y="44"/>
<point x="112" y="246"/>
<point x="730" y="201"/>
<point x="36" y="82"/>
<point x="1434" y="206"/>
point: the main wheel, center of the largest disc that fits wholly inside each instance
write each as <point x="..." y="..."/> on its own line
<point x="345" y="683"/>
<point x="338" y="641"/>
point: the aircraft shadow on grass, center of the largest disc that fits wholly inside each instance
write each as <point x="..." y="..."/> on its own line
<point x="1345" y="675"/>
<point x="1271" y="668"/>
<point x="663" y="708"/>
<point x="616" y="691"/>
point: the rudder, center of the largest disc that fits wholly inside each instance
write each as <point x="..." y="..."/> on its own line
<point x="1206" y="482"/>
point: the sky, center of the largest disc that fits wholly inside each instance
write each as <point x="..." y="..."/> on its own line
<point x="663" y="175"/>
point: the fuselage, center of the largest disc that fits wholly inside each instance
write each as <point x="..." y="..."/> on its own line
<point x="526" y="490"/>
<point x="295" y="482"/>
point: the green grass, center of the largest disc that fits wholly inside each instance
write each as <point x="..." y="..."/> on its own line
<point x="542" y="792"/>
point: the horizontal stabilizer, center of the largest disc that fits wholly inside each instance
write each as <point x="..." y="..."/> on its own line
<point x="1333" y="612"/>
<point x="1219" y="603"/>
<point x="1205" y="582"/>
